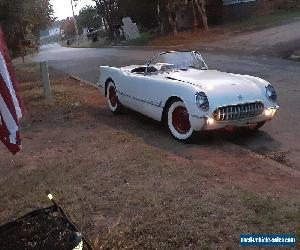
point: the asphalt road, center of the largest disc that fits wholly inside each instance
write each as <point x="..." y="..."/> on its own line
<point x="279" y="138"/>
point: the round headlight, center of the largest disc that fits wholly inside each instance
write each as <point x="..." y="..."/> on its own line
<point x="202" y="101"/>
<point x="271" y="93"/>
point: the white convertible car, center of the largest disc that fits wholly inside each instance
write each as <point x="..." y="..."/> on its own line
<point x="177" y="88"/>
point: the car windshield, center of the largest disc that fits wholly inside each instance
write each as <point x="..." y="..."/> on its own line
<point x="178" y="60"/>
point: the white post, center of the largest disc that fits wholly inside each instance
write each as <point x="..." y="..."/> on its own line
<point x="45" y="80"/>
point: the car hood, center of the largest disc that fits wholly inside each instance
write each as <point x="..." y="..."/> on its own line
<point x="216" y="83"/>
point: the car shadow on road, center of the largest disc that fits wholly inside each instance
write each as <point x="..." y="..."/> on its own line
<point x="257" y="141"/>
<point x="156" y="134"/>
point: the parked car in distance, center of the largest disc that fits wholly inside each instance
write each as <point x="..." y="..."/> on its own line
<point x="177" y="88"/>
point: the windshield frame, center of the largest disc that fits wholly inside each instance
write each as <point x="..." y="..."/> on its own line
<point x="167" y="52"/>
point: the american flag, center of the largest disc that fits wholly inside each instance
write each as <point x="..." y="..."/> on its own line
<point x="10" y="108"/>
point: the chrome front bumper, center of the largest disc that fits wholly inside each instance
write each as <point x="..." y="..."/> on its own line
<point x="210" y="123"/>
<point x="238" y="112"/>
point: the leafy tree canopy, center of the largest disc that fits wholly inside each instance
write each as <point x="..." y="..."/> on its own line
<point x="23" y="18"/>
<point x="88" y="18"/>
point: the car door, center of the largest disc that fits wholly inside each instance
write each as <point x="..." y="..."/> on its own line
<point x="143" y="93"/>
<point x="129" y="90"/>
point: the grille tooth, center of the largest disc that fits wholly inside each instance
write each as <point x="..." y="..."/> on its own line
<point x="235" y="112"/>
<point x="223" y="114"/>
<point x="248" y="109"/>
<point x="219" y="115"/>
<point x="238" y="112"/>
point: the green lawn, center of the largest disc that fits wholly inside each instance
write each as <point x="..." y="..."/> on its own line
<point x="142" y="40"/>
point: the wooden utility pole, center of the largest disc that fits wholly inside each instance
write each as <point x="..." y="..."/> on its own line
<point x="75" y="23"/>
<point x="45" y="80"/>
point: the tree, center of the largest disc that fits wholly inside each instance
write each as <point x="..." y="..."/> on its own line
<point x="168" y="15"/>
<point x="23" y="18"/>
<point x="109" y="10"/>
<point x="169" y="9"/>
<point x="144" y="13"/>
<point x="200" y="4"/>
<point x="88" y="18"/>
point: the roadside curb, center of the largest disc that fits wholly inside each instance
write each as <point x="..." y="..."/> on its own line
<point x="83" y="81"/>
<point x="268" y="161"/>
<point x="147" y="46"/>
<point x="134" y="47"/>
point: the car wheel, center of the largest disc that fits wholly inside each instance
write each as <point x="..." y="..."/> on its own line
<point x="112" y="98"/>
<point x="179" y="122"/>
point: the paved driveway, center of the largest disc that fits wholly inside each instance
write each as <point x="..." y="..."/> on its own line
<point x="266" y="41"/>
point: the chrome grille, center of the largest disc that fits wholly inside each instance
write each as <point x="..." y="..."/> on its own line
<point x="239" y="112"/>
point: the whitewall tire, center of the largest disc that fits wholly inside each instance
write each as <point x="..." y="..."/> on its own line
<point x="179" y="122"/>
<point x="112" y="98"/>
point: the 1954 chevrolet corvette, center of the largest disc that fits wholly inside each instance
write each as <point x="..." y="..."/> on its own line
<point x="177" y="88"/>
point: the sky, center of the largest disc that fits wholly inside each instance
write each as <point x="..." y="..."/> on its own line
<point x="62" y="8"/>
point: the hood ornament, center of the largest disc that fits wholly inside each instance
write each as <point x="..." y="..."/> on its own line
<point x="240" y="97"/>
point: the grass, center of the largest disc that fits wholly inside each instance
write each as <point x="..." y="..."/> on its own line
<point x="27" y="67"/>
<point x="144" y="39"/>
<point x="103" y="42"/>
<point x="268" y="211"/>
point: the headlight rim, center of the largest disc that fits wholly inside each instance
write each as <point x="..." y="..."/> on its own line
<point x="273" y="96"/>
<point x="205" y="105"/>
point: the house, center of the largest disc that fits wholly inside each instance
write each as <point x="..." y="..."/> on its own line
<point x="68" y="28"/>
<point x="53" y="30"/>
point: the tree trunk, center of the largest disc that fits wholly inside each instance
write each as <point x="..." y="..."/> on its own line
<point x="106" y="9"/>
<point x="202" y="12"/>
<point x="195" y="21"/>
<point x="171" y="21"/>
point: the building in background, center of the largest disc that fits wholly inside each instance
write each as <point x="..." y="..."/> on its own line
<point x="54" y="30"/>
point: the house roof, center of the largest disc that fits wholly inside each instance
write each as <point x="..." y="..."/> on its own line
<point x="56" y="24"/>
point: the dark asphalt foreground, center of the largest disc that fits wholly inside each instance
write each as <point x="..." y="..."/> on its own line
<point x="277" y="139"/>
